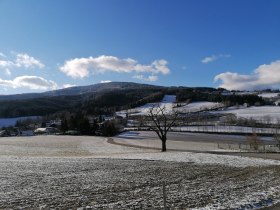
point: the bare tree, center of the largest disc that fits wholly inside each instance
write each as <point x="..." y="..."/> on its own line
<point x="162" y="121"/>
<point x="254" y="141"/>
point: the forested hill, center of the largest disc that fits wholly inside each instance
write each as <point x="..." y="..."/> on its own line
<point x="107" y="98"/>
<point x="81" y="90"/>
<point x="93" y="99"/>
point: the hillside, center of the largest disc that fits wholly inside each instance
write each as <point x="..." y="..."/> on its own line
<point x="80" y="90"/>
<point x="98" y="98"/>
<point x="107" y="98"/>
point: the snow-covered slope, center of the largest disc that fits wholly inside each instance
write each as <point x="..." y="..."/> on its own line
<point x="268" y="95"/>
<point x="269" y="114"/>
<point x="169" y="102"/>
<point x="198" y="106"/>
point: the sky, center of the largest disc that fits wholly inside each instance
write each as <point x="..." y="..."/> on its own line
<point x="52" y="44"/>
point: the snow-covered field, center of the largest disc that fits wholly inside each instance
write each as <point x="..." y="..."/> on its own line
<point x="169" y="102"/>
<point x="265" y="114"/>
<point x="44" y="172"/>
<point x="268" y="95"/>
<point x="98" y="147"/>
<point x="198" y="106"/>
<point x="261" y="113"/>
<point x="225" y="129"/>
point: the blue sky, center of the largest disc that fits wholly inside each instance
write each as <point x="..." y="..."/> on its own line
<point x="46" y="45"/>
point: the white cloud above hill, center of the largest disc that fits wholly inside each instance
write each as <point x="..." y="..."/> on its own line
<point x="2" y="55"/>
<point x="151" y="78"/>
<point x="105" y="81"/>
<point x="68" y="85"/>
<point x="265" y="76"/>
<point x="31" y="82"/>
<point x="83" y="67"/>
<point x="21" y="60"/>
<point x="24" y="60"/>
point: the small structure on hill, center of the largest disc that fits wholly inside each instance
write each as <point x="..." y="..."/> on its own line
<point x="45" y="131"/>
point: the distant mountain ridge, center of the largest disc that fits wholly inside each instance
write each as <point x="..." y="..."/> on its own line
<point x="92" y="99"/>
<point x="107" y="98"/>
<point x="80" y="90"/>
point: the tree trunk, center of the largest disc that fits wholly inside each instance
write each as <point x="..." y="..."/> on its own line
<point x="163" y="143"/>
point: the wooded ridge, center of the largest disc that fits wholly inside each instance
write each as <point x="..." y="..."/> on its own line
<point x="107" y="98"/>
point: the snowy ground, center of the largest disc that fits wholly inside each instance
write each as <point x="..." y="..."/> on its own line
<point x="78" y="172"/>
<point x="200" y="143"/>
<point x="198" y="106"/>
<point x="169" y="102"/>
<point x="224" y="129"/>
<point x="265" y="114"/>
<point x="269" y="95"/>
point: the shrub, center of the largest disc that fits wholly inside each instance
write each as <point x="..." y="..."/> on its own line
<point x="254" y="141"/>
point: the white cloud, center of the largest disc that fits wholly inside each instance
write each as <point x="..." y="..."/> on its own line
<point x="82" y="67"/>
<point x="68" y="85"/>
<point x="22" y="60"/>
<point x="151" y="78"/>
<point x="160" y="66"/>
<point x="214" y="58"/>
<point x="2" y="55"/>
<point x="6" y="64"/>
<point x="265" y="76"/>
<point x="31" y="82"/>
<point x="105" y="81"/>
<point x="77" y="67"/>
<point x="8" y="72"/>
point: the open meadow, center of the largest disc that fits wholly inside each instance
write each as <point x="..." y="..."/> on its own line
<point x="76" y="172"/>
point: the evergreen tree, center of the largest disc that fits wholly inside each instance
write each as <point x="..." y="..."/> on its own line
<point x="64" y="125"/>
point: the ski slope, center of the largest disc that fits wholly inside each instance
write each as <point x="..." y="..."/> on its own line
<point x="169" y="102"/>
<point x="198" y="106"/>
